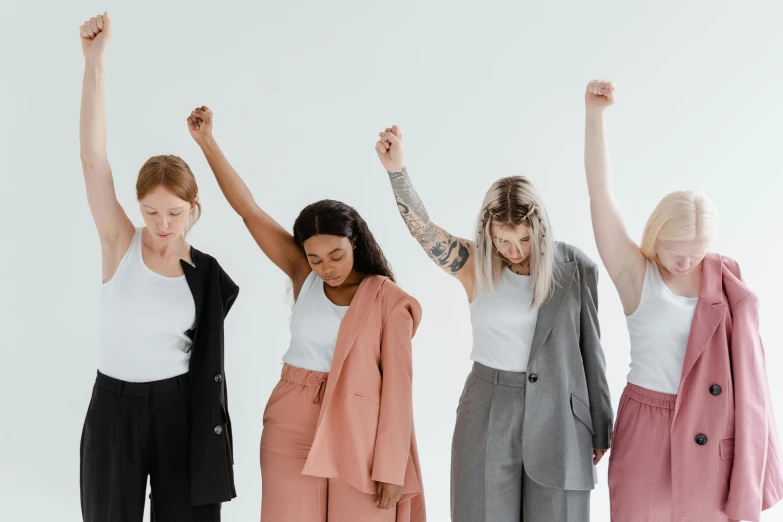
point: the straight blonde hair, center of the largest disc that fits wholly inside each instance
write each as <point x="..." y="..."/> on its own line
<point x="514" y="201"/>
<point x="680" y="216"/>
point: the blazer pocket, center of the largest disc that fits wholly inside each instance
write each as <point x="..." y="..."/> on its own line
<point x="367" y="398"/>
<point x="727" y="449"/>
<point x="582" y="412"/>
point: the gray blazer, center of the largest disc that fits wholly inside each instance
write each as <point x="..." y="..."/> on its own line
<point x="568" y="410"/>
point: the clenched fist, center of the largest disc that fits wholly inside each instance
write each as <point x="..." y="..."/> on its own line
<point x="390" y="149"/>
<point x="200" y="123"/>
<point x="95" y="34"/>
<point x="599" y="95"/>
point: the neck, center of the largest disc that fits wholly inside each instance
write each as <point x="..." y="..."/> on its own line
<point x="164" y="250"/>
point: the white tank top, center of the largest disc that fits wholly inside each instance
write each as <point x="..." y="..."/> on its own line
<point x="315" y="322"/>
<point x="659" y="329"/>
<point x="144" y="320"/>
<point x="503" y="323"/>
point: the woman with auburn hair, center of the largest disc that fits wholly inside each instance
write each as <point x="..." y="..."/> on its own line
<point x="695" y="437"/>
<point x="535" y="415"/>
<point x="158" y="406"/>
<point x="338" y="442"/>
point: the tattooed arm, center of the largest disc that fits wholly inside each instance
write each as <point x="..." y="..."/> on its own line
<point x="453" y="254"/>
<point x="448" y="252"/>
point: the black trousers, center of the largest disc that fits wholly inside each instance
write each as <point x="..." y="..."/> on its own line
<point x="133" y="430"/>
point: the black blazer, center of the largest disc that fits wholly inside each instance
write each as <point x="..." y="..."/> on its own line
<point x="211" y="442"/>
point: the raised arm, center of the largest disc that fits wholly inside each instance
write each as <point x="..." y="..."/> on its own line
<point x="453" y="254"/>
<point x="274" y="240"/>
<point x="114" y="228"/>
<point x="620" y="254"/>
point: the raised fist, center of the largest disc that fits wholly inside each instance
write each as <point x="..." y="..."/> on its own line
<point x="599" y="95"/>
<point x="200" y="123"/>
<point x="95" y="34"/>
<point x="390" y="149"/>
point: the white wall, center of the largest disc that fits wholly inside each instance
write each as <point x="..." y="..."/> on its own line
<point x="300" y="90"/>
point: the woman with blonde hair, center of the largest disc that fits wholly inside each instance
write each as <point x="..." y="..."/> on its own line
<point x="695" y="435"/>
<point x="535" y="414"/>
<point x="158" y="406"/>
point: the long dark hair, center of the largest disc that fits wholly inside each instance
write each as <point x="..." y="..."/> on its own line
<point x="335" y="218"/>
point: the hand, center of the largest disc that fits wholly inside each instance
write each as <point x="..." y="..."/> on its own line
<point x="598" y="455"/>
<point x="95" y="34"/>
<point x="200" y="123"/>
<point x="391" y="150"/>
<point x="599" y="95"/>
<point x="387" y="495"/>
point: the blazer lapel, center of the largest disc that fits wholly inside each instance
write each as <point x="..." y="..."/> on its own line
<point x="547" y="314"/>
<point x="195" y="276"/>
<point x="351" y="325"/>
<point x="709" y="312"/>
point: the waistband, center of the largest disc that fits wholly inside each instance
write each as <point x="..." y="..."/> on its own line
<point x="652" y="398"/>
<point x="485" y="373"/>
<point x="301" y="376"/>
<point x="142" y="389"/>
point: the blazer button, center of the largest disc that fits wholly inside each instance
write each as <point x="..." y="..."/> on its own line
<point x="701" y="439"/>
<point x="533" y="377"/>
<point x="218" y="378"/>
<point x="715" y="389"/>
<point x="218" y="430"/>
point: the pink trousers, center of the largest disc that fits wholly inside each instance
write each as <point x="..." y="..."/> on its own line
<point x="290" y="421"/>
<point x="640" y="462"/>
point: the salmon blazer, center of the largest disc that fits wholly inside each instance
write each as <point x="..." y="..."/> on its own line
<point x="365" y="430"/>
<point x="724" y="442"/>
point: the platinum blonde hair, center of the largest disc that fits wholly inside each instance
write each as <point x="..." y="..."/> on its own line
<point x="680" y="216"/>
<point x="515" y="201"/>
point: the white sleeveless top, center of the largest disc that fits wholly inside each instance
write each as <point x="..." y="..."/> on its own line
<point x="144" y="320"/>
<point x="504" y="323"/>
<point x="659" y="329"/>
<point x="315" y="322"/>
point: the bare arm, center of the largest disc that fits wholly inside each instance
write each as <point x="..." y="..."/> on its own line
<point x="619" y="253"/>
<point x="114" y="228"/>
<point x="450" y="253"/>
<point x="274" y="240"/>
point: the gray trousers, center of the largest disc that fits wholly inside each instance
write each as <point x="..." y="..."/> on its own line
<point x="488" y="479"/>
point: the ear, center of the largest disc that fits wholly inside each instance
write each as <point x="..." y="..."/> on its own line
<point x="194" y="203"/>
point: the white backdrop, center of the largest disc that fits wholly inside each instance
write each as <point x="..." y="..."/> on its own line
<point x="300" y="90"/>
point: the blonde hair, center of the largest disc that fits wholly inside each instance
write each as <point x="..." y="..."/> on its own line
<point x="175" y="175"/>
<point x="680" y="216"/>
<point x="515" y="201"/>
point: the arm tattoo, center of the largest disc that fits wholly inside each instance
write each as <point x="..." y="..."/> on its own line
<point x="448" y="252"/>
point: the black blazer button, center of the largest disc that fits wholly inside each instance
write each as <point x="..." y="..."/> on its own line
<point x="701" y="439"/>
<point x="715" y="389"/>
<point x="218" y="378"/>
<point x="218" y="430"/>
<point x="533" y="377"/>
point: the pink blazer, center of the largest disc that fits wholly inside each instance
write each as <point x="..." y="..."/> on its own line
<point x="724" y="403"/>
<point x="365" y="429"/>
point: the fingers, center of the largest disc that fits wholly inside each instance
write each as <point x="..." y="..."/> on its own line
<point x="378" y="493"/>
<point x="94" y="26"/>
<point x="600" y="87"/>
<point x="203" y="113"/>
<point x="194" y="123"/>
<point x="381" y="148"/>
<point x="397" y="132"/>
<point x="391" y="138"/>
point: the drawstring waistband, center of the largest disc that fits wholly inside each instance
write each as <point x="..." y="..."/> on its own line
<point x="319" y="393"/>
